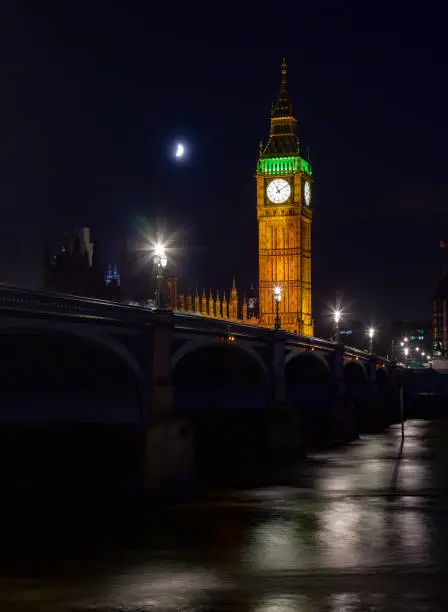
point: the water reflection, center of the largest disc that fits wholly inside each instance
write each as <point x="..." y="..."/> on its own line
<point x="414" y="536"/>
<point x="284" y="604"/>
<point x="364" y="534"/>
<point x="174" y="587"/>
<point x="274" y="545"/>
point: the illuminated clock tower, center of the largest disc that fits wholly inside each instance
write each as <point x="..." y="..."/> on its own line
<point x="284" y="212"/>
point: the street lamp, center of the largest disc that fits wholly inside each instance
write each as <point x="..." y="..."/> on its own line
<point x="406" y="353"/>
<point x="336" y="317"/>
<point x="371" y="333"/>
<point x="160" y="261"/>
<point x="277" y="299"/>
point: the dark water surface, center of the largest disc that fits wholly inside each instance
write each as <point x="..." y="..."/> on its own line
<point x="362" y="528"/>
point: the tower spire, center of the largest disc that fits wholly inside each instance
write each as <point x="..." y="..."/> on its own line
<point x="283" y="106"/>
<point x="284" y="69"/>
<point x="283" y="140"/>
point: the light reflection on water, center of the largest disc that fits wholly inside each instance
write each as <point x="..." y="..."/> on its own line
<point x="283" y="604"/>
<point x="170" y="588"/>
<point x="362" y="536"/>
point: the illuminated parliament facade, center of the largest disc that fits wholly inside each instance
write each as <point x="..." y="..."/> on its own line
<point x="284" y="213"/>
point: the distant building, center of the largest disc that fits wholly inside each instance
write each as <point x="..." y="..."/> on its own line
<point x="416" y="336"/>
<point x="112" y="283"/>
<point x="76" y="268"/>
<point x="439" y="320"/>
<point x="112" y="275"/>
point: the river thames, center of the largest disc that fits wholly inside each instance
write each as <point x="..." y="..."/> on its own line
<point x="359" y="528"/>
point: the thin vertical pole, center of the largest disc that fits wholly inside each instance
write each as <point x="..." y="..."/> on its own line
<point x="402" y="412"/>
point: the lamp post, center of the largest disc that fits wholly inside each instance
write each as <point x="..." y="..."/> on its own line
<point x="337" y="317"/>
<point x="371" y="333"/>
<point x="160" y="261"/>
<point x="406" y="353"/>
<point x="277" y="299"/>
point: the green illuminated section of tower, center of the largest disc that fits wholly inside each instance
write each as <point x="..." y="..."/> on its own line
<point x="284" y="165"/>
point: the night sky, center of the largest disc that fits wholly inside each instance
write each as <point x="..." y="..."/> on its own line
<point x="93" y="94"/>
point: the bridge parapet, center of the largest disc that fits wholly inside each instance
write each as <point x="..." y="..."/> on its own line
<point x="13" y="298"/>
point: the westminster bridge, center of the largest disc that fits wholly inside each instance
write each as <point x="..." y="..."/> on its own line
<point x="204" y="391"/>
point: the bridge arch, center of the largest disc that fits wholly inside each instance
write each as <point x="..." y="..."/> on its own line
<point x="307" y="384"/>
<point x="355" y="372"/>
<point x="194" y="345"/>
<point x="224" y="390"/>
<point x="88" y="391"/>
<point x="356" y="380"/>
<point x="382" y="378"/>
<point x="77" y="338"/>
<point x="309" y="358"/>
<point x="358" y="391"/>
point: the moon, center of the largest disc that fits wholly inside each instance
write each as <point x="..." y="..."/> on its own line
<point x="180" y="150"/>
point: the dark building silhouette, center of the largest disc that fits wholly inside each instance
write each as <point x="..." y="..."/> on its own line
<point x="77" y="269"/>
<point x="439" y="319"/>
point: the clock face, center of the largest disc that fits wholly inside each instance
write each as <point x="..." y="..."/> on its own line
<point x="278" y="191"/>
<point x="307" y="193"/>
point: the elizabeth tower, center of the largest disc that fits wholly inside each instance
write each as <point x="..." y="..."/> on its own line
<point x="284" y="213"/>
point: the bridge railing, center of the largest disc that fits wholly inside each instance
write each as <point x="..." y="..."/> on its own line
<point x="198" y="322"/>
<point x="209" y="325"/>
<point x="55" y="303"/>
